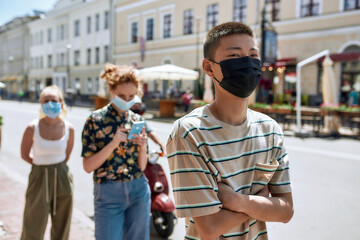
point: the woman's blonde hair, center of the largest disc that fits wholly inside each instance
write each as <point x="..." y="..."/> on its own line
<point x="55" y="89"/>
<point x="115" y="75"/>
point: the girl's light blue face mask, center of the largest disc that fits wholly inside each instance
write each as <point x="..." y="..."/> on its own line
<point x="51" y="109"/>
<point x="124" y="105"/>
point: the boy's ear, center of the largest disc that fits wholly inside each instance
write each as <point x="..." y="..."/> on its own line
<point x="206" y="65"/>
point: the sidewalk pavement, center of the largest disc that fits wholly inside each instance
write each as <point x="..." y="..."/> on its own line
<point x="12" y="202"/>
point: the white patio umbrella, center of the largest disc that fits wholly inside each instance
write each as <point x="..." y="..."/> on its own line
<point x="167" y="72"/>
<point x="2" y="85"/>
<point x="329" y="86"/>
<point x="208" y="93"/>
<point x="329" y="92"/>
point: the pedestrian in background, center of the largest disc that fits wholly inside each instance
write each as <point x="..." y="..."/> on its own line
<point x="121" y="191"/>
<point x="186" y="98"/>
<point x="353" y="98"/>
<point x="225" y="158"/>
<point x="50" y="188"/>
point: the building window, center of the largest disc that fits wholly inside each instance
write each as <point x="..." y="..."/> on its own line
<point x="150" y="29"/>
<point x="310" y="8"/>
<point x="167" y="26"/>
<point x="106" y="20"/>
<point x="352" y="4"/>
<point x="62" y="59"/>
<point x="134" y="32"/>
<point x="212" y="14"/>
<point x="49" y="37"/>
<point x="188" y="21"/>
<point x="88" y="24"/>
<point x="41" y="37"/>
<point x="239" y="11"/>
<point x="88" y="56"/>
<point x="95" y="85"/>
<point x="57" y="59"/>
<point x="49" y="61"/>
<point x="77" y="28"/>
<point x="97" y="22"/>
<point x="97" y="55"/>
<point x="273" y="10"/>
<point x="88" y="85"/>
<point x="62" y="32"/>
<point x="77" y="57"/>
<point x="106" y="53"/>
<point x="77" y="85"/>
<point x="41" y="62"/>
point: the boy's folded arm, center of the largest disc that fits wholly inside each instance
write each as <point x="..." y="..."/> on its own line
<point x="277" y="208"/>
<point x="212" y="226"/>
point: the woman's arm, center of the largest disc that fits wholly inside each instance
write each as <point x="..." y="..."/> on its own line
<point x="95" y="161"/>
<point x="26" y="143"/>
<point x="70" y="143"/>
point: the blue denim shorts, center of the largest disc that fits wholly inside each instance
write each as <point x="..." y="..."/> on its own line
<point x="122" y="210"/>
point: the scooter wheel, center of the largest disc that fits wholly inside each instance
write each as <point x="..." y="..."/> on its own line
<point x="165" y="226"/>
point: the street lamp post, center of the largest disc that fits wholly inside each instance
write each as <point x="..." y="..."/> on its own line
<point x="263" y="21"/>
<point x="68" y="47"/>
<point x="197" y="20"/>
<point x="11" y="60"/>
<point x="10" y="69"/>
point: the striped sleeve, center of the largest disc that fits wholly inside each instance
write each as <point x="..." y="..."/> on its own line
<point x="280" y="182"/>
<point x="194" y="185"/>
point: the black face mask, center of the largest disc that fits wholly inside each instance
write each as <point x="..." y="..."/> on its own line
<point x="241" y="75"/>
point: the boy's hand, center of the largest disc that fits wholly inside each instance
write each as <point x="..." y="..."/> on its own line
<point x="227" y="196"/>
<point x="234" y="201"/>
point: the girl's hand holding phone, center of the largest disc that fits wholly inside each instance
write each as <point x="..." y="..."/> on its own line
<point x="141" y="139"/>
<point x="120" y="136"/>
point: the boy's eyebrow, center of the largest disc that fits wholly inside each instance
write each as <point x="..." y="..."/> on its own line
<point x="239" y="48"/>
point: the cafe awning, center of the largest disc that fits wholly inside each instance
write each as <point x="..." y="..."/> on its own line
<point x="343" y="57"/>
<point x="285" y="62"/>
<point x="9" y="78"/>
<point x="167" y="72"/>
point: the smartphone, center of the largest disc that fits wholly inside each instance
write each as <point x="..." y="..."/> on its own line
<point x="136" y="128"/>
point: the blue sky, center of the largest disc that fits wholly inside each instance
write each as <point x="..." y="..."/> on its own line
<point x="16" y="8"/>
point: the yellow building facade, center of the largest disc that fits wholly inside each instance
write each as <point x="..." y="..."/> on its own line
<point x="154" y="32"/>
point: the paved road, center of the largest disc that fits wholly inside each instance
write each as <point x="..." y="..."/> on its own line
<point x="324" y="175"/>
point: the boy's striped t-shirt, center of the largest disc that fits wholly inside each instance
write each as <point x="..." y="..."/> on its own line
<point x="203" y="151"/>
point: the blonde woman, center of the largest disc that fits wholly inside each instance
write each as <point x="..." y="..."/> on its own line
<point x="50" y="188"/>
<point x="121" y="191"/>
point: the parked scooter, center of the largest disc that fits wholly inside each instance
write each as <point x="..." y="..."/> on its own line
<point x="162" y="207"/>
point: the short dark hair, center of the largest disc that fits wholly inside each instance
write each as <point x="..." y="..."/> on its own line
<point x="213" y="37"/>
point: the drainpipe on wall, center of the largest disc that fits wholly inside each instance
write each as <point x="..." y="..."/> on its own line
<point x="112" y="30"/>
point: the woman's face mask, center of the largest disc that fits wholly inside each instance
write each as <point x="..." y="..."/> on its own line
<point x="124" y="105"/>
<point x="241" y="75"/>
<point x="51" y="109"/>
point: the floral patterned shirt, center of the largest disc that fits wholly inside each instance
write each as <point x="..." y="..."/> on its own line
<point x="98" y="131"/>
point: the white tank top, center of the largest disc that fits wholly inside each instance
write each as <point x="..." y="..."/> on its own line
<point x="46" y="152"/>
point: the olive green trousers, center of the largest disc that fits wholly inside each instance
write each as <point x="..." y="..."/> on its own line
<point x="50" y="191"/>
